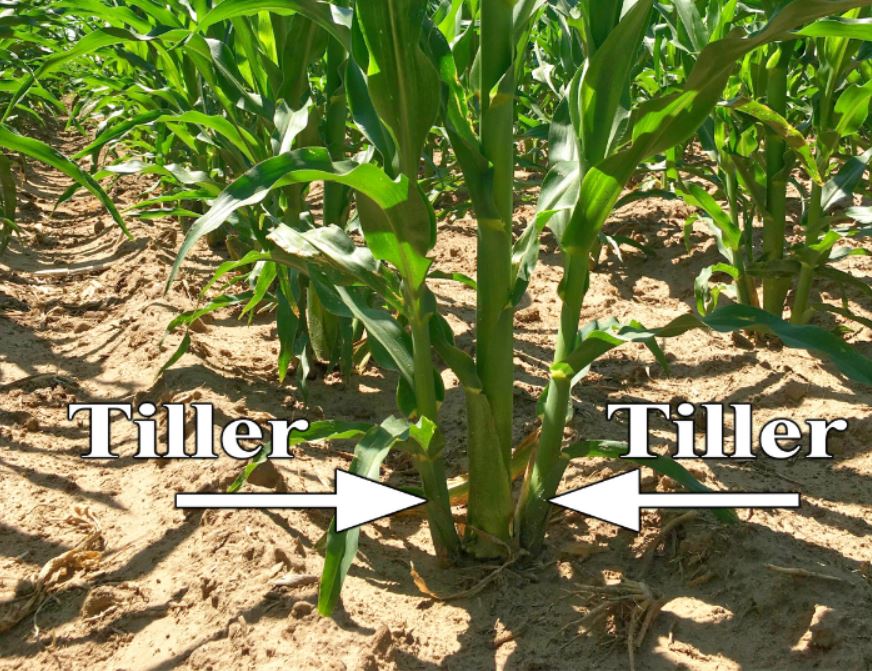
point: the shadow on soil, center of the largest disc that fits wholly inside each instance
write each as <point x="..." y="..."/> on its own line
<point x="528" y="616"/>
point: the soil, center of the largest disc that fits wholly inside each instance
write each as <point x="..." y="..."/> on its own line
<point x="129" y="582"/>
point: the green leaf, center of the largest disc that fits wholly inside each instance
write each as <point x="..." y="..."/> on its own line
<point x="329" y="429"/>
<point x="611" y="449"/>
<point x="839" y="27"/>
<point x="423" y="432"/>
<point x="605" y="81"/>
<point x="814" y="339"/>
<point x="403" y="83"/>
<point x="689" y="16"/>
<point x="40" y="151"/>
<point x="852" y="109"/>
<point x="708" y="295"/>
<point x="118" y="16"/>
<point x="460" y="278"/>
<point x="117" y="131"/>
<point x="696" y="196"/>
<point x="394" y="237"/>
<point x="180" y="351"/>
<point x="602" y="336"/>
<point x="330" y="16"/>
<point x="363" y="112"/>
<point x="342" y="546"/>
<point x="385" y="330"/>
<point x="329" y="251"/>
<point x="287" y="324"/>
<point x="558" y="196"/>
<point x="249" y="468"/>
<point x="731" y="318"/>
<point x="841" y="187"/>
<point x="599" y="19"/>
<point x="784" y="129"/>
<point x="250" y="258"/>
<point x="219" y="303"/>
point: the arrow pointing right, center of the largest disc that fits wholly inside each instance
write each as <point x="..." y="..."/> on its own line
<point x="357" y="500"/>
<point x="619" y="500"/>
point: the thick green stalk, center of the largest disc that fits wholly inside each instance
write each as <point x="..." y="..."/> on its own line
<point x="494" y="328"/>
<point x="775" y="288"/>
<point x="815" y="218"/>
<point x="799" y="308"/>
<point x="544" y="477"/>
<point x="494" y="316"/>
<point x="745" y="284"/>
<point x="490" y="503"/>
<point x="431" y="466"/>
<point x="337" y="113"/>
<point x="670" y="174"/>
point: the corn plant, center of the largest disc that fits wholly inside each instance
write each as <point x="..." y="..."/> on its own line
<point x="240" y="109"/>
<point x="26" y="35"/>
<point x="599" y="141"/>
<point x="841" y="113"/>
<point x="196" y="96"/>
<point x="822" y="140"/>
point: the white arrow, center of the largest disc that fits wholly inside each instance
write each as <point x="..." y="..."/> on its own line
<point x="357" y="500"/>
<point x="619" y="500"/>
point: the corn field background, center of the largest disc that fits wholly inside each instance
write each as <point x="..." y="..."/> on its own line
<point x="448" y="233"/>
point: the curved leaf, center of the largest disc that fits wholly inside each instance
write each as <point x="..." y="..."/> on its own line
<point x="40" y="151"/>
<point x="814" y="339"/>
<point x="605" y="81"/>
<point x="395" y="237"/>
<point x="783" y="128"/>
<point x="854" y="29"/>
<point x="612" y="449"/>
<point x="342" y="546"/>
<point x="333" y="18"/>
<point x="403" y="83"/>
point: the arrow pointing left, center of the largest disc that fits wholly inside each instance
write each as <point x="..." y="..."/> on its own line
<point x="357" y="500"/>
<point x="619" y="499"/>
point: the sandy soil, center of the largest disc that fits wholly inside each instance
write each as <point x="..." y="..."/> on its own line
<point x="136" y="584"/>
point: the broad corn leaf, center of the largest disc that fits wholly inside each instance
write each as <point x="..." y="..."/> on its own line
<point x="403" y="84"/>
<point x="40" y="151"/>
<point x="387" y="235"/>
